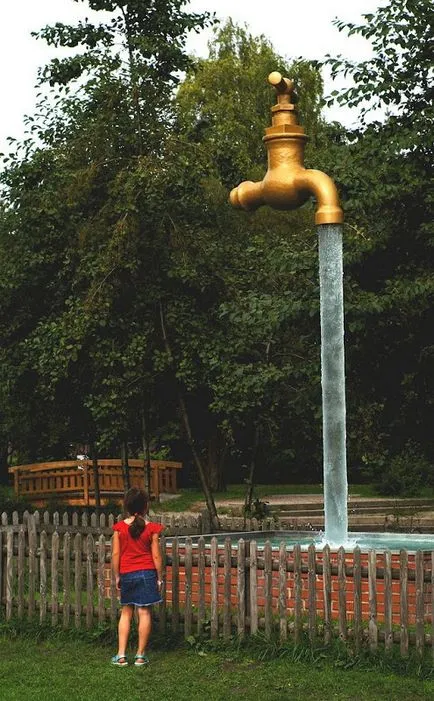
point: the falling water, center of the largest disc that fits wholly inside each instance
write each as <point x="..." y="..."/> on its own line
<point x="333" y="383"/>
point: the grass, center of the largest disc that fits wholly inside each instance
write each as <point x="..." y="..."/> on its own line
<point x="190" y="498"/>
<point x="61" y="668"/>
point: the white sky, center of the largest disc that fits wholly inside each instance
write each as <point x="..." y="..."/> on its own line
<point x="294" y="28"/>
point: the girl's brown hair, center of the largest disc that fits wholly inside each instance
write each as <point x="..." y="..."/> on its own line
<point x="136" y="504"/>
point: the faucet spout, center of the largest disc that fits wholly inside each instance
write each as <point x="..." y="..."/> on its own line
<point x="321" y="186"/>
<point x="287" y="184"/>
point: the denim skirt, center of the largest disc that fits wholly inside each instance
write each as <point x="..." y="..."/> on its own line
<point x="140" y="588"/>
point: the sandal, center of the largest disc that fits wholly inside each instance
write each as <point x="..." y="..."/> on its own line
<point x="141" y="660"/>
<point x="117" y="660"/>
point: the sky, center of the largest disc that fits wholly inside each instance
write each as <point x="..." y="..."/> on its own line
<point x="294" y="28"/>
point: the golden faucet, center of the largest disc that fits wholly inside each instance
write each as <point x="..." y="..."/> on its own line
<point x="287" y="184"/>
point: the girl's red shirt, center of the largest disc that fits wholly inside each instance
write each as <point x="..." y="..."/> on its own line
<point x="136" y="553"/>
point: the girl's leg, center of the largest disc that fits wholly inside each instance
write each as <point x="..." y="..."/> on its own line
<point x="124" y="629"/>
<point x="144" y="628"/>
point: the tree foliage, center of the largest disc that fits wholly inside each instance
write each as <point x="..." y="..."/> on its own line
<point x="85" y="227"/>
<point x="386" y="178"/>
<point x="133" y="295"/>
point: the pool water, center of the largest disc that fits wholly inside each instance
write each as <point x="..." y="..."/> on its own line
<point x="365" y="541"/>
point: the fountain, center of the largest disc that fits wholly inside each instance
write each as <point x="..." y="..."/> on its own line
<point x="336" y="574"/>
<point x="288" y="185"/>
<point x="372" y="576"/>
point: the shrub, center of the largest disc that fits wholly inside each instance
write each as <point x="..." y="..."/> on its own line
<point x="406" y="473"/>
<point x="10" y="502"/>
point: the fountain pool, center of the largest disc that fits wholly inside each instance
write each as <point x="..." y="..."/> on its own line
<point x="376" y="577"/>
<point x="338" y="574"/>
<point x="365" y="541"/>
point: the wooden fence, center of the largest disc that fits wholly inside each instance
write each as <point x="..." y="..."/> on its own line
<point x="58" y="572"/>
<point x="72" y="481"/>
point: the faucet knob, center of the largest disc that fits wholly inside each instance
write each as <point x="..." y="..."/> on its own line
<point x="283" y="86"/>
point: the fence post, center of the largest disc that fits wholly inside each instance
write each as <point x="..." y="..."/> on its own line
<point x="21" y="549"/>
<point x="43" y="578"/>
<point x="283" y="622"/>
<point x="162" y="622"/>
<point x="327" y="593"/>
<point x="31" y="526"/>
<point x="188" y="559"/>
<point x="253" y="575"/>
<point x="100" y="578"/>
<point x="311" y="583"/>
<point x="247" y="576"/>
<point x="372" y="584"/>
<point x="89" y="580"/>
<point x="241" y="588"/>
<point x="342" y="599"/>
<point x="432" y="601"/>
<point x="175" y="585"/>
<point x="9" y="572"/>
<point x="419" y="577"/>
<point x="54" y="578"/>
<point x="268" y="584"/>
<point x="214" y="589"/>
<point x="357" y="585"/>
<point x="403" y="580"/>
<point x="201" y="574"/>
<point x="66" y="579"/>
<point x="388" y="616"/>
<point x="227" y="603"/>
<point x="78" y="568"/>
<point x="1" y="570"/>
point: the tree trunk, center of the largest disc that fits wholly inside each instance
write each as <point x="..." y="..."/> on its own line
<point x="4" y="462"/>
<point x="217" y="449"/>
<point x="215" y="525"/>
<point x="125" y="467"/>
<point x="95" y="478"/>
<point x="251" y="476"/>
<point x="133" y="83"/>
<point x="146" y="455"/>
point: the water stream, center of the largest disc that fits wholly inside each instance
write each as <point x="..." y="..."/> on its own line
<point x="333" y="383"/>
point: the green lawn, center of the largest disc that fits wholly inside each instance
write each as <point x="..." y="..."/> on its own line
<point x="65" y="670"/>
<point x="190" y="497"/>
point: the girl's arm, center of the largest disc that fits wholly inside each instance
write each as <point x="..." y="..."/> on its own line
<point x="157" y="558"/>
<point x="116" y="557"/>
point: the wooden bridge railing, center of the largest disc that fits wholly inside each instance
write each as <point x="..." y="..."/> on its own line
<point x="72" y="481"/>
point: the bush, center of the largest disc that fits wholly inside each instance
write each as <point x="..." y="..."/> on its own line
<point x="406" y="473"/>
<point x="10" y="502"/>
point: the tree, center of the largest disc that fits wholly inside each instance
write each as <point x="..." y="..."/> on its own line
<point x="225" y="100"/>
<point x="387" y="184"/>
<point x="82" y="221"/>
<point x="238" y="338"/>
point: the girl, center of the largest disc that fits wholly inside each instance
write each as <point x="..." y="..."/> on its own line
<point x="137" y="567"/>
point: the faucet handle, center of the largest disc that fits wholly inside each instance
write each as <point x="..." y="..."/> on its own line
<point x="283" y="86"/>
